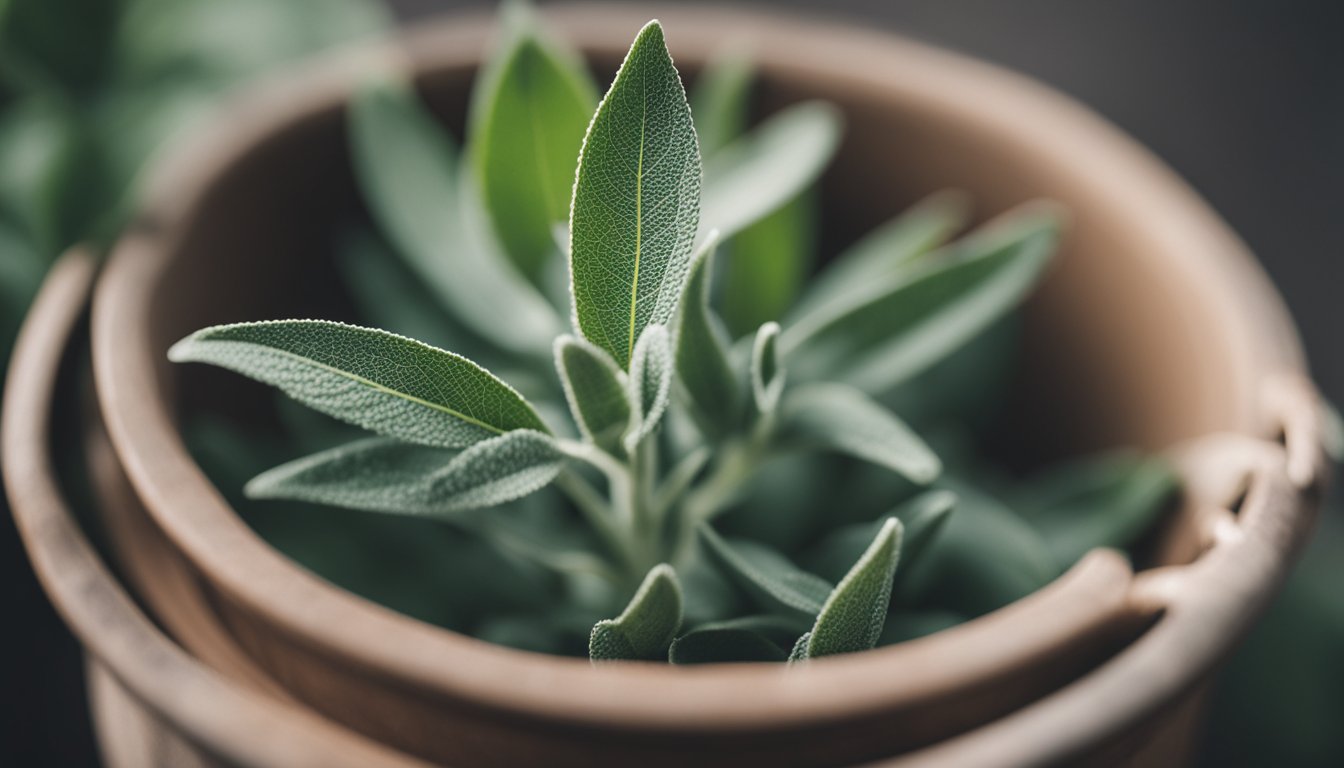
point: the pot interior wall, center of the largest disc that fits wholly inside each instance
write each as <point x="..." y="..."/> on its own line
<point x="1113" y="354"/>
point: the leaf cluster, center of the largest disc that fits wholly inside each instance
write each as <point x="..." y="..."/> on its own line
<point x="647" y="399"/>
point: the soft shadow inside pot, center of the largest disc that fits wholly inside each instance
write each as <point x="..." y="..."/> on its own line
<point x="1111" y="356"/>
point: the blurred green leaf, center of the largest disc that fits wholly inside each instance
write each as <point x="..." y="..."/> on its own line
<point x="921" y="517"/>
<point x="747" y="638"/>
<point x="772" y="582"/>
<point x="703" y="365"/>
<point x="767" y="265"/>
<point x="719" y="101"/>
<point x="838" y="418"/>
<point x="767" y="376"/>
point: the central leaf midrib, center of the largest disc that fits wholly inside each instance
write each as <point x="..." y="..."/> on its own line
<point x="379" y="387"/>
<point x="639" y="213"/>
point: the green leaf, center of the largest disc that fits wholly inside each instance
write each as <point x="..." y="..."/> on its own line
<point x="910" y="625"/>
<point x="767" y="168"/>
<point x="747" y="638"/>
<point x="407" y="168"/>
<point x="767" y="377"/>
<point x="768" y="577"/>
<point x="838" y="418"/>
<point x="532" y="106"/>
<point x="650" y="382"/>
<point x="636" y="202"/>
<point x="386" y="475"/>
<point x="921" y="518"/>
<point x="880" y="337"/>
<point x="985" y="557"/>
<point x="596" y="390"/>
<point x="853" y="616"/>
<point x="893" y="248"/>
<point x="768" y="264"/>
<point x="373" y="379"/>
<point x="644" y="631"/>
<point x="1106" y="501"/>
<point x="719" y="101"/>
<point x="703" y="365"/>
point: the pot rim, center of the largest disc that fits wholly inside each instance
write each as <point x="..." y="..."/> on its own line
<point x="192" y="512"/>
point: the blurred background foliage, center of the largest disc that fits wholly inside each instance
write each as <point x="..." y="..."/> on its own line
<point x="1242" y="97"/>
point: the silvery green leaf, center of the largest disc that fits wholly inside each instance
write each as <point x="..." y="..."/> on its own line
<point x="767" y="265"/>
<point x="882" y="336"/>
<point x="385" y="475"/>
<point x="596" y="390"/>
<point x="650" y="382"/>
<point x="719" y="101"/>
<point x="636" y="206"/>
<point x="839" y="418"/>
<point x="747" y="638"/>
<point x="644" y="631"/>
<point x="407" y="168"/>
<point x="767" y="377"/>
<point x="921" y="517"/>
<point x="1106" y="501"/>
<point x="530" y="109"/>
<point x="767" y="576"/>
<point x="985" y="557"/>
<point x="799" y="650"/>
<point x="703" y="365"/>
<point x="893" y="247"/>
<point x="373" y="379"/>
<point x="770" y="166"/>
<point x="854" y="613"/>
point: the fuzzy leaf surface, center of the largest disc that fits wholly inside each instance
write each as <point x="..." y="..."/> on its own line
<point x="854" y="613"/>
<point x="650" y="381"/>
<point x="645" y="629"/>
<point x="373" y="379"/>
<point x="896" y="328"/>
<point x="595" y="389"/>
<point x="720" y="100"/>
<point x="386" y="475"/>
<point x="636" y="207"/>
<point x="839" y="418"/>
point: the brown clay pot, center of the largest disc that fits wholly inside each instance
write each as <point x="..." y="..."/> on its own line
<point x="1156" y="329"/>
<point x="153" y="704"/>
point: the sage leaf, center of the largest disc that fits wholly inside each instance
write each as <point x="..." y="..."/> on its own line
<point x="921" y="518"/>
<point x="898" y="327"/>
<point x="773" y="582"/>
<point x="636" y="206"/>
<point x="767" y="378"/>
<point x="719" y="101"/>
<point x="387" y="475"/>
<point x="744" y="639"/>
<point x="986" y="557"/>
<point x="531" y="108"/>
<point x="765" y="169"/>
<point x="767" y="265"/>
<point x="596" y="390"/>
<point x="407" y="168"/>
<point x="644" y="631"/>
<point x="1105" y="501"/>
<point x="373" y="379"/>
<point x="839" y="418"/>
<point x="799" y="650"/>
<point x="650" y="382"/>
<point x="890" y="249"/>
<point x="703" y="365"/>
<point x="854" y="613"/>
<point x="911" y="625"/>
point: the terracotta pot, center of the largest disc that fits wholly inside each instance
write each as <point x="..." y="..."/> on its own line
<point x="1155" y="329"/>
<point x="153" y="704"/>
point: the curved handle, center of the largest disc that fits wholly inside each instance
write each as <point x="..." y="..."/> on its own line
<point x="1253" y="503"/>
